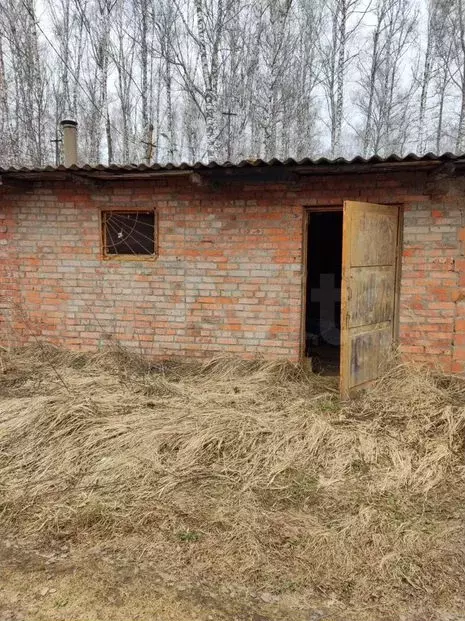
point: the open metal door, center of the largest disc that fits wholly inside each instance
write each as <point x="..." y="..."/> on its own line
<point x="368" y="293"/>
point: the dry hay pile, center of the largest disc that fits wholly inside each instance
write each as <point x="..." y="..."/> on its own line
<point x="256" y="466"/>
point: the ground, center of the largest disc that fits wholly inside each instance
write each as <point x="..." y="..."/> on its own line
<point x="104" y="586"/>
<point x="228" y="490"/>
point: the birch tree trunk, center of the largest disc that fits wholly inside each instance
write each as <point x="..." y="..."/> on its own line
<point x="210" y="74"/>
<point x="100" y="45"/>
<point x="442" y="80"/>
<point x="442" y="90"/>
<point x="374" y="69"/>
<point x="460" y="141"/>
<point x="331" y="81"/>
<point x="427" y="74"/>
<point x="8" y="148"/>
<point x="335" y="63"/>
<point x="210" y="117"/>
<point x="340" y="78"/>
<point x="123" y="59"/>
<point x="166" y="34"/>
<point x="77" y="72"/>
<point x="144" y="18"/>
<point x="110" y="158"/>
<point x="169" y="111"/>
<point x="279" y="11"/>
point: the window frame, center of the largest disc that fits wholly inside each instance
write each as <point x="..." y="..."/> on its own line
<point x="127" y="257"/>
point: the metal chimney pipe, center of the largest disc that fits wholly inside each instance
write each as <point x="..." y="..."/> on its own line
<point x="69" y="129"/>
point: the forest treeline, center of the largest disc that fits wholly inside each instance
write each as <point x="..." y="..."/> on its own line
<point x="173" y="80"/>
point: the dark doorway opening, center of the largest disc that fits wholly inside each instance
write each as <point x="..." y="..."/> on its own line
<point x="323" y="291"/>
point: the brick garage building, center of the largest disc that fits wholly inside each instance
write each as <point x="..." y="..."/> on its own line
<point x="206" y="260"/>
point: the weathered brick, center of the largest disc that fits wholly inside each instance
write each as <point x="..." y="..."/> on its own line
<point x="229" y="271"/>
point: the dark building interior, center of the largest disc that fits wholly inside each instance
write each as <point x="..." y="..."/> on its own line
<point x="323" y="294"/>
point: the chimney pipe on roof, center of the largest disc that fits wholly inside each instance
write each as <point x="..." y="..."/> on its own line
<point x="69" y="142"/>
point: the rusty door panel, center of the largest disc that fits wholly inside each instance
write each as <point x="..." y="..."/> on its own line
<point x="369" y="287"/>
<point x="372" y="295"/>
<point x="368" y="354"/>
<point x="375" y="236"/>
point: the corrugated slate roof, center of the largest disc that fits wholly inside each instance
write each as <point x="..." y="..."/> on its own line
<point x="249" y="163"/>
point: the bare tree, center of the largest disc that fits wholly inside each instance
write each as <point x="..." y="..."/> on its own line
<point x="457" y="17"/>
<point x="369" y="72"/>
<point x="165" y="25"/>
<point x="213" y="79"/>
<point x="96" y="16"/>
<point x="30" y="91"/>
<point x="276" y="60"/>
<point x="304" y="77"/>
<point x="9" y="144"/>
<point x="444" y="46"/>
<point x="427" y="74"/>
<point x="385" y="99"/>
<point x="209" y="57"/>
<point x="344" y="18"/>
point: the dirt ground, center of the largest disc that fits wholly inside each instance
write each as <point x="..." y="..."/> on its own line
<point x="227" y="491"/>
<point x="100" y="582"/>
<point x="107" y="582"/>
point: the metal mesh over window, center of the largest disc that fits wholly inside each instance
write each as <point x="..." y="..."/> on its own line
<point x="130" y="233"/>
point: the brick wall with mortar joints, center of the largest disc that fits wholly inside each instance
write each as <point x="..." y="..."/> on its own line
<point x="228" y="275"/>
<point x="74" y="297"/>
<point x="432" y="285"/>
<point x="9" y="282"/>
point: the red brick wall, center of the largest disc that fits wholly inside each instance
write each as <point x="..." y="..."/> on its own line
<point x="227" y="277"/>
<point x="432" y="314"/>
<point x="229" y="271"/>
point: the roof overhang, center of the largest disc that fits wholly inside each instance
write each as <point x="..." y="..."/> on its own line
<point x="273" y="170"/>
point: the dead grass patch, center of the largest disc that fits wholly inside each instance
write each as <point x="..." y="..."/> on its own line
<point x="250" y="472"/>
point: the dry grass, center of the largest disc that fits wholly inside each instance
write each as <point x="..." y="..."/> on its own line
<point x="256" y="466"/>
